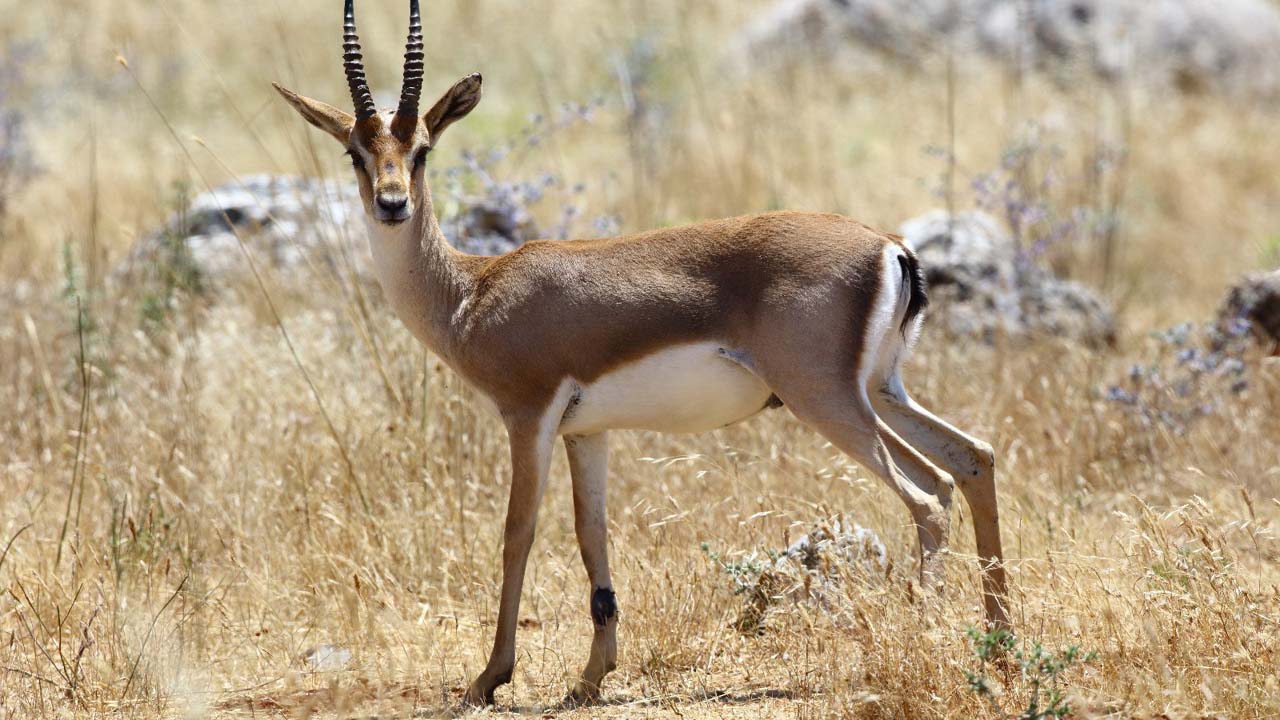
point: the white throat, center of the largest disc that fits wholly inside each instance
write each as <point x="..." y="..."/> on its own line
<point x="418" y="276"/>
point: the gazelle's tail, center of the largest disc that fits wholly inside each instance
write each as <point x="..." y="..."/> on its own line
<point x="913" y="280"/>
<point x="900" y="303"/>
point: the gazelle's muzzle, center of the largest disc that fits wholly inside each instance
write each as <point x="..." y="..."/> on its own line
<point x="392" y="207"/>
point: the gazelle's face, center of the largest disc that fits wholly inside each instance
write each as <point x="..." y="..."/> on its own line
<point x="389" y="172"/>
<point x="389" y="153"/>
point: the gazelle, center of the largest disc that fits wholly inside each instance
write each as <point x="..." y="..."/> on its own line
<point x="677" y="330"/>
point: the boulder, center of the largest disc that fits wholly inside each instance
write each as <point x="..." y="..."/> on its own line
<point x="1227" y="45"/>
<point x="981" y="286"/>
<point x="492" y="225"/>
<point x="292" y="223"/>
<point x="286" y="222"/>
<point x="1252" y="306"/>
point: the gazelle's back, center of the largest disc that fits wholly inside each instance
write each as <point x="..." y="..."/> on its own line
<point x="585" y="308"/>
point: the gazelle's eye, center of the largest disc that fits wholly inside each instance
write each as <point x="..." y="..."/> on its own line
<point x="355" y="159"/>
<point x="421" y="158"/>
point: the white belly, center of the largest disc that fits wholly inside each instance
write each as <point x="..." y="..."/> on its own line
<point x="682" y="389"/>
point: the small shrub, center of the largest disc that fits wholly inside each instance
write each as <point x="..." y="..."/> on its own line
<point x="1040" y="671"/>
<point x="1052" y="217"/>
<point x="1192" y="372"/>
<point x="480" y="182"/>
<point x="813" y="570"/>
<point x="175" y="273"/>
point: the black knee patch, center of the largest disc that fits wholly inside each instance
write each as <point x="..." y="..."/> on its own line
<point x="604" y="606"/>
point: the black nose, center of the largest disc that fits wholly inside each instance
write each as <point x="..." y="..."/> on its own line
<point x="393" y="203"/>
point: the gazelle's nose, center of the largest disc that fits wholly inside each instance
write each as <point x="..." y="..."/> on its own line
<point x="393" y="203"/>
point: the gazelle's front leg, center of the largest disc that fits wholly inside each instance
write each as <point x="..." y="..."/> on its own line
<point x="589" y="465"/>
<point x="531" y="440"/>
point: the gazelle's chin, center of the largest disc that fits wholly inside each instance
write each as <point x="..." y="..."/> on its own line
<point x="387" y="227"/>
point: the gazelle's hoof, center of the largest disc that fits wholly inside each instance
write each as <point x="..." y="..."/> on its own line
<point x="479" y="695"/>
<point x="583" y="693"/>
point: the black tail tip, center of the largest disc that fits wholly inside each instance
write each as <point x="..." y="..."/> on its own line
<point x="913" y="279"/>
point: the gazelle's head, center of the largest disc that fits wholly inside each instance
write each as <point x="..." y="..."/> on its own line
<point x="389" y="152"/>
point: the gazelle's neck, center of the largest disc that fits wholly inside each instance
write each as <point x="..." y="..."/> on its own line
<point x="422" y="276"/>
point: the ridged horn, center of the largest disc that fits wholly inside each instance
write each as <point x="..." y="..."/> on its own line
<point x="414" y="65"/>
<point x="353" y="62"/>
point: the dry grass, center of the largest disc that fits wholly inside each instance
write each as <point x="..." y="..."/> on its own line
<point x="214" y="531"/>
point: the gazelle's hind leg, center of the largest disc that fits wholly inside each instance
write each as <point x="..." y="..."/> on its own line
<point x="828" y="392"/>
<point x="844" y="417"/>
<point x="970" y="461"/>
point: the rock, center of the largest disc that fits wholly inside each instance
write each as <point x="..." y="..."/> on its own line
<point x="811" y="570"/>
<point x="292" y="223"/>
<point x="884" y="26"/>
<point x="1254" y="301"/>
<point x="1227" y="45"/>
<point x="979" y="286"/>
<point x="969" y="266"/>
<point x="1063" y="308"/>
<point x="491" y="226"/>
<point x="285" y="221"/>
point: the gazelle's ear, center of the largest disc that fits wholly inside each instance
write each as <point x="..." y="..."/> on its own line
<point x="454" y="105"/>
<point x="325" y="117"/>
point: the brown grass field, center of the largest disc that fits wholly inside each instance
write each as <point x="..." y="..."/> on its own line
<point x="178" y="524"/>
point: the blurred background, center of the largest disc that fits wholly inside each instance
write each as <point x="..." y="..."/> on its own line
<point x="223" y="455"/>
